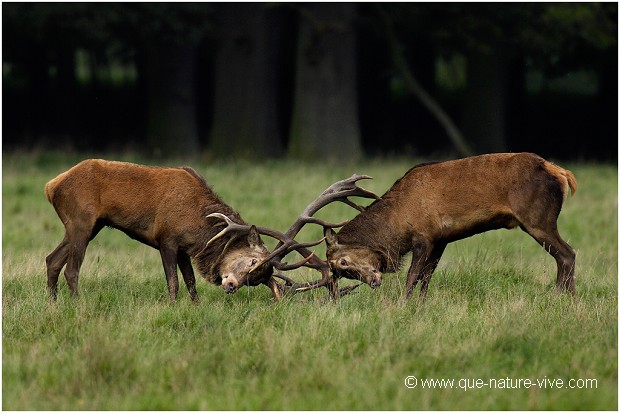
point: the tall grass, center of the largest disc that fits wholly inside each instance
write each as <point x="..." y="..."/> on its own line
<point x="490" y="313"/>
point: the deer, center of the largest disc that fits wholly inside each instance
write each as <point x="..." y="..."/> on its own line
<point x="175" y="211"/>
<point x="169" y="209"/>
<point x="437" y="203"/>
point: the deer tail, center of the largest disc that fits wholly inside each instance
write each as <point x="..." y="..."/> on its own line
<point x="565" y="177"/>
<point x="50" y="187"/>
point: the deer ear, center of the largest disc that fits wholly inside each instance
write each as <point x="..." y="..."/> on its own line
<point x="254" y="238"/>
<point x="330" y="237"/>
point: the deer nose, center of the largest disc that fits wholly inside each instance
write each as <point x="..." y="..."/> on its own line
<point x="229" y="284"/>
<point x="376" y="281"/>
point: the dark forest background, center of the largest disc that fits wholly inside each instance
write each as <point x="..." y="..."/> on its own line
<point x="315" y="80"/>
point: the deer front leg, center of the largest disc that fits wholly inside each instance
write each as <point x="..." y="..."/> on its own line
<point x="429" y="268"/>
<point x="276" y="289"/>
<point x="426" y="255"/>
<point x="415" y="272"/>
<point x="169" y="260"/>
<point x="332" y="286"/>
<point x="185" y="265"/>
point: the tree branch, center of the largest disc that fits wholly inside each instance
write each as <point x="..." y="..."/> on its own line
<point x="401" y="66"/>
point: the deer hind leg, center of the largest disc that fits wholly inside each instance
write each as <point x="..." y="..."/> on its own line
<point x="169" y="258"/>
<point x="81" y="226"/>
<point x="185" y="265"/>
<point x="54" y="263"/>
<point x="79" y="236"/>
<point x="549" y="238"/>
<point x="537" y="207"/>
<point x="76" y="252"/>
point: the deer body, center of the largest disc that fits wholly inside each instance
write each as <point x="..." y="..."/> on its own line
<point x="438" y="203"/>
<point x="165" y="208"/>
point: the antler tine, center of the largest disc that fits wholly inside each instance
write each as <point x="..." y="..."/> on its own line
<point x="352" y="204"/>
<point x="221" y="216"/>
<point x="286" y="267"/>
<point x="293" y="287"/>
<point x="286" y="279"/>
<point x="285" y="246"/>
<point x="290" y="246"/>
<point x="323" y="223"/>
<point x="358" y="191"/>
<point x="298" y="245"/>
<point x="338" y="191"/>
<point x="275" y="257"/>
<point x="230" y="226"/>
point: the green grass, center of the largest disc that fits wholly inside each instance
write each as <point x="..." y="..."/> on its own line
<point x="490" y="313"/>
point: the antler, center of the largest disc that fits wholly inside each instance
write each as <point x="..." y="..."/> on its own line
<point x="339" y="191"/>
<point x="231" y="226"/>
<point x="286" y="245"/>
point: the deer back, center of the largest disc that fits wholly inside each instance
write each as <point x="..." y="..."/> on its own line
<point x="455" y="199"/>
<point x="148" y="203"/>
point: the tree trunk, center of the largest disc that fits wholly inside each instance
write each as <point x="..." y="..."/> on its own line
<point x="325" y="120"/>
<point x="246" y="115"/>
<point x="484" y="104"/>
<point x="171" y="110"/>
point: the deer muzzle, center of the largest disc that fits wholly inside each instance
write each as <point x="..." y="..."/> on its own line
<point x="375" y="279"/>
<point x="230" y="284"/>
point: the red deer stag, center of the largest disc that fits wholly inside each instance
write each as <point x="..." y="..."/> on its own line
<point x="169" y="209"/>
<point x="437" y="203"/>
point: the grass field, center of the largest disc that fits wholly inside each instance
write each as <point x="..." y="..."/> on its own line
<point x="491" y="312"/>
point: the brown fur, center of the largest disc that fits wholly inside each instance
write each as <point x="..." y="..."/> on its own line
<point x="438" y="203"/>
<point x="164" y="208"/>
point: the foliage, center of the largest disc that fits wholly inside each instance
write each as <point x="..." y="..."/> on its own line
<point x="100" y="26"/>
<point x="491" y="311"/>
<point x="553" y="35"/>
<point x="107" y="75"/>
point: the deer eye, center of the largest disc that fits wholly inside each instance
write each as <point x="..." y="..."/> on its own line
<point x="254" y="261"/>
<point x="343" y="262"/>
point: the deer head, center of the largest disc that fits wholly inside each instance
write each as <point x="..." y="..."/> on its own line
<point x="339" y="191"/>
<point x="238" y="266"/>
<point x="353" y="262"/>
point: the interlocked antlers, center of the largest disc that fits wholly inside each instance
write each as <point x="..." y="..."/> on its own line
<point x="339" y="191"/>
<point x="291" y="244"/>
